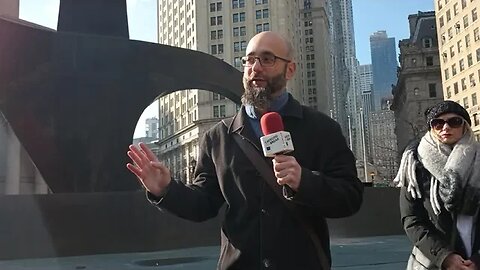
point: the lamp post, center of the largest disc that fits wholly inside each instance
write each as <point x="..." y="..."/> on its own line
<point x="192" y="165"/>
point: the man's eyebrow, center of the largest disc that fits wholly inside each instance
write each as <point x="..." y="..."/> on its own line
<point x="261" y="53"/>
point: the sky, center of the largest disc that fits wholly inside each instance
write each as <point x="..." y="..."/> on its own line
<point x="369" y="17"/>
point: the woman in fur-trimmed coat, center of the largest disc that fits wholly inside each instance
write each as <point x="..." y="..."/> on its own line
<point x="439" y="198"/>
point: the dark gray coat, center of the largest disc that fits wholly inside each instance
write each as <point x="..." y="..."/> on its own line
<point x="258" y="231"/>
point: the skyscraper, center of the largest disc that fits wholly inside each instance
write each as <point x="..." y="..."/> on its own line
<point x="222" y="29"/>
<point x="384" y="66"/>
<point x="340" y="72"/>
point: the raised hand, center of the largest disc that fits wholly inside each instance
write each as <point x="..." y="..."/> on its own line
<point x="153" y="175"/>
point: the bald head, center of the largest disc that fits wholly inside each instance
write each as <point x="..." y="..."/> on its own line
<point x="270" y="42"/>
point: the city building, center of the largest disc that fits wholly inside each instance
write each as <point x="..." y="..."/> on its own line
<point x="419" y="84"/>
<point x="151" y="127"/>
<point x="365" y="84"/>
<point x="339" y="70"/>
<point x="384" y="66"/>
<point x="458" y="29"/>
<point x="384" y="146"/>
<point x="223" y="29"/>
<point x="18" y="175"/>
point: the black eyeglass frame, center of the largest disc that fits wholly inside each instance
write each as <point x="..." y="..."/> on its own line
<point x="453" y="122"/>
<point x="244" y="60"/>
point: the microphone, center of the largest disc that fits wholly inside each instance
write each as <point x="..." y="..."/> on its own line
<point x="275" y="140"/>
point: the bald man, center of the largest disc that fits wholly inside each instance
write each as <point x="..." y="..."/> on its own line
<point x="318" y="179"/>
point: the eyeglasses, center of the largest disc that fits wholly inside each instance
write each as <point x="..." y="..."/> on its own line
<point x="454" y="122"/>
<point x="266" y="60"/>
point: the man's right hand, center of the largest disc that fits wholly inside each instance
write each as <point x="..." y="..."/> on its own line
<point x="153" y="175"/>
<point x="456" y="262"/>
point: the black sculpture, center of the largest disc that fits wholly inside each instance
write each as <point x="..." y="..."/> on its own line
<point x="73" y="97"/>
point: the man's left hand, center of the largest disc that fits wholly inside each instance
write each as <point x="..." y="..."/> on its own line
<point x="287" y="170"/>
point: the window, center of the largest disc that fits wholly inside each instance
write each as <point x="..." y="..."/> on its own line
<point x="266" y="27"/>
<point x="469" y="60"/>
<point x="265" y="13"/>
<point x="236" y="17"/>
<point x="454" y="70"/>
<point x="242" y="16"/>
<point x="432" y="90"/>
<point x="449" y="92"/>
<point x="467" y="40"/>
<point x="258" y="14"/>
<point x="237" y="62"/>
<point x="219" y="6"/>
<point x="447" y="74"/>
<point x="474" y="14"/>
<point x="243" y="45"/>
<point x="478" y="54"/>
<point x="459" y="46"/>
<point x="427" y="42"/>
<point x="236" y="31"/>
<point x="455" y="88"/>
<point x="222" y="110"/>
<point x="213" y="35"/>
<point x="476" y="34"/>
<point x="234" y="3"/>
<point x="213" y="49"/>
<point x="258" y="28"/>
<point x="464" y="3"/>
<point x="461" y="65"/>
<point x="452" y="51"/>
<point x="243" y="31"/>
<point x="213" y="7"/>
<point x="471" y="77"/>
<point x="441" y="22"/>
<point x="465" y="102"/>
<point x="219" y="20"/>
<point x="220" y="48"/>
<point x="216" y="111"/>
<point x="474" y="99"/>
<point x="429" y="60"/>
<point x="220" y="34"/>
<point x="465" y="21"/>
<point x="464" y="84"/>
<point x="449" y="16"/>
<point x="455" y="9"/>
<point x="213" y="20"/>
<point x="236" y="46"/>
<point x="241" y="3"/>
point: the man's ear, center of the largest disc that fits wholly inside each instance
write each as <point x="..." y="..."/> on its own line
<point x="291" y="68"/>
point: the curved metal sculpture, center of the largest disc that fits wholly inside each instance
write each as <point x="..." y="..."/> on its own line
<point x="73" y="100"/>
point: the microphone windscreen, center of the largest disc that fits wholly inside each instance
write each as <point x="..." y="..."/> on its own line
<point x="271" y="122"/>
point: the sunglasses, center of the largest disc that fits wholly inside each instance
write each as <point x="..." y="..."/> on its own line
<point x="454" y="122"/>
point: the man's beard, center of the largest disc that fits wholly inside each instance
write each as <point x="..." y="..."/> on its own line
<point x="261" y="97"/>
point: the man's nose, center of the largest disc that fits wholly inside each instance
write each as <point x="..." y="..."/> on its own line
<point x="257" y="65"/>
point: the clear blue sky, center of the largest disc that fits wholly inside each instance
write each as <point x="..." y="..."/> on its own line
<point x="369" y="16"/>
<point x="391" y="15"/>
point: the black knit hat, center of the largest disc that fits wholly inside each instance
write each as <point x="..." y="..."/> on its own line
<point x="444" y="107"/>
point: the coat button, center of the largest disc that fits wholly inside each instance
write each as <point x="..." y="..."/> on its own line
<point x="264" y="212"/>
<point x="266" y="263"/>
